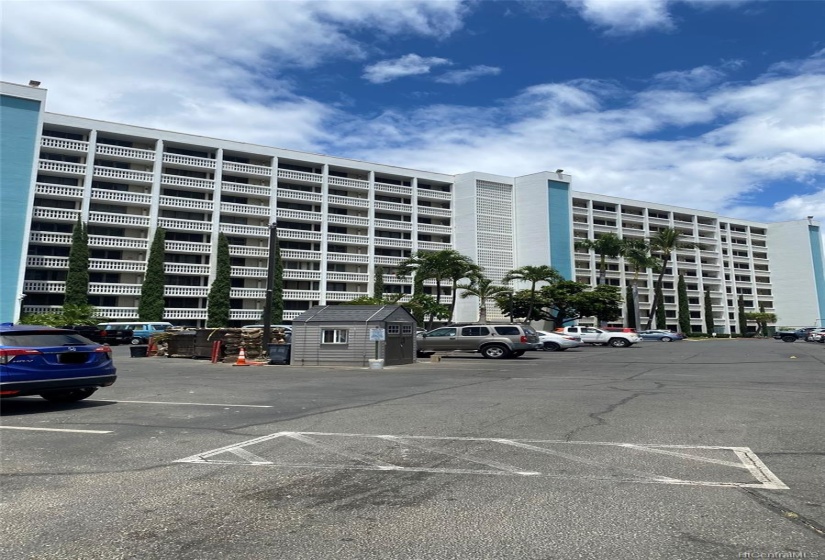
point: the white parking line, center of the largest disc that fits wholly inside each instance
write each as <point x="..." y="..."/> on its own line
<point x="187" y="403"/>
<point x="748" y="461"/>
<point x="56" y="430"/>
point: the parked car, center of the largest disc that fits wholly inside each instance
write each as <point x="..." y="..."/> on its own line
<point x="816" y="336"/>
<point x="661" y="335"/>
<point x="141" y="330"/>
<point x="558" y="342"/>
<point x="58" y="364"/>
<point x="116" y="334"/>
<point x="793" y="335"/>
<point x="492" y="341"/>
<point x="592" y="335"/>
<point x="619" y="329"/>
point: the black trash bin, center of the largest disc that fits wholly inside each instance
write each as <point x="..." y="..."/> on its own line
<point x="279" y="354"/>
<point x="139" y="351"/>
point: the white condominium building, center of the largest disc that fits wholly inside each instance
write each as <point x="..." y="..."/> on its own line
<point x="338" y="220"/>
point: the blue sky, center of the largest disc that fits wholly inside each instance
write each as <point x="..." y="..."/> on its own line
<point x="710" y="104"/>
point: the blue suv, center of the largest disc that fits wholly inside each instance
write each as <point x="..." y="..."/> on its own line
<point x="57" y="364"/>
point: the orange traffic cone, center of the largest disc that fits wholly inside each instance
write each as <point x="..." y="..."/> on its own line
<point x="241" y="359"/>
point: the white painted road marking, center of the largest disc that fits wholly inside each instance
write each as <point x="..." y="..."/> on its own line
<point x="56" y="430"/>
<point x="187" y="403"/>
<point x="748" y="460"/>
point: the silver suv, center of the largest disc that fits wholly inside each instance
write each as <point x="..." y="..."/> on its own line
<point x="493" y="341"/>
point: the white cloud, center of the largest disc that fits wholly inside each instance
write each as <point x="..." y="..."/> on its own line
<point x="696" y="78"/>
<point x="407" y="65"/>
<point x="463" y="76"/>
<point x="624" y="16"/>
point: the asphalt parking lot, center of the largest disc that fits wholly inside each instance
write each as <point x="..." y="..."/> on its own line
<point x="710" y="449"/>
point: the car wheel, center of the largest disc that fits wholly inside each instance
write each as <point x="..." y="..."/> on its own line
<point x="788" y="339"/>
<point x="666" y="339"/>
<point x="136" y="340"/>
<point x="68" y="396"/>
<point x="554" y="346"/>
<point x="618" y="342"/>
<point x="495" y="351"/>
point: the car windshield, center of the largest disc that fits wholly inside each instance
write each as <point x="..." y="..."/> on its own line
<point x="33" y="339"/>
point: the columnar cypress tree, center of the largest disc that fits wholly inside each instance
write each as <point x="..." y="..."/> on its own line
<point x="631" y="308"/>
<point x="77" y="279"/>
<point x="661" y="318"/>
<point x="151" y="304"/>
<point x="743" y="321"/>
<point x="378" y="283"/>
<point x="684" y="309"/>
<point x="709" y="325"/>
<point x="217" y="306"/>
<point x="276" y="314"/>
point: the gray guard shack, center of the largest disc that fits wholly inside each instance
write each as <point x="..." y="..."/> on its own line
<point x="329" y="335"/>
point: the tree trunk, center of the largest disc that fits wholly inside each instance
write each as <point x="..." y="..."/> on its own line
<point x="656" y="301"/>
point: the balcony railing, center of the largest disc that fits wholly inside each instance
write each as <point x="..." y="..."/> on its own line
<point x="348" y="220"/>
<point x="117" y="265"/>
<point x="394" y="207"/>
<point x="433" y="246"/>
<point x="390" y="261"/>
<point x="348" y="277"/>
<point x="58" y="190"/>
<point x="247" y="293"/>
<point x="438" y="195"/>
<point x="64" y="144"/>
<point x="232" y="229"/>
<point x="351" y="239"/>
<point x="395" y="189"/>
<point x="47" y="262"/>
<point x="180" y="268"/>
<point x="123" y="174"/>
<point x="290" y="194"/>
<point x="248" y="271"/>
<point x="247" y="168"/>
<point x="298" y="255"/>
<point x="394" y="224"/>
<point x="185" y="291"/>
<point x="258" y="190"/>
<point x="190" y="203"/>
<point x="184" y="313"/>
<point x="191" y="182"/>
<point x="184" y="225"/>
<point x="56" y="214"/>
<point x="293" y="274"/>
<point x="120" y="219"/>
<point x="345" y="296"/>
<point x="429" y="228"/>
<point x="302" y="295"/>
<point x="244" y="251"/>
<point x="430" y="211"/>
<point x="348" y="183"/>
<point x="189" y="161"/>
<point x="62" y="167"/>
<point x="300" y="176"/>
<point x="122" y="196"/>
<point x="51" y="238"/>
<point x="299" y="234"/>
<point x="388" y="242"/>
<point x="350" y="201"/>
<point x="232" y="208"/>
<point x="187" y="247"/>
<point x="124" y="152"/>
<point x="347" y="257"/>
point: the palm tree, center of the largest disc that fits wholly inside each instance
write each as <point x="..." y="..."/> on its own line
<point x="448" y="264"/>
<point x="534" y="275"/>
<point x="607" y="245"/>
<point x="663" y="245"/>
<point x="637" y="253"/>
<point x="484" y="289"/>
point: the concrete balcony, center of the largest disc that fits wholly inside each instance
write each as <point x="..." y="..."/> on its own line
<point x="247" y="169"/>
<point x="56" y="214"/>
<point x="240" y="188"/>
<point x="44" y="287"/>
<point x="393" y="189"/>
<point x="293" y="274"/>
<point x="430" y="211"/>
<point x="345" y="296"/>
<point x="187" y="247"/>
<point x="117" y="265"/>
<point x="348" y="257"/>
<point x="247" y="293"/>
<point x="302" y="196"/>
<point x="302" y="295"/>
<point x="389" y="261"/>
<point x="248" y="272"/>
<point x="185" y="313"/>
<point x="389" y="242"/>
<point x="300" y="215"/>
<point x="63" y="144"/>
<point x="348" y="239"/>
<point x="244" y="251"/>
<point x="434" y="195"/>
<point x="348" y="220"/>
<point x="429" y="228"/>
<point x="62" y="167"/>
<point x="394" y="207"/>
<point x="299" y="234"/>
<point x="255" y="231"/>
<point x="348" y="183"/>
<point x="189" y="161"/>
<point x="121" y="196"/>
<point x="51" y="238"/>
<point x="301" y="176"/>
<point x="100" y="288"/>
<point x="184" y="225"/>
<point x="123" y="174"/>
<point x="298" y="255"/>
<point x="185" y="291"/>
<point x="246" y="315"/>
<point x="47" y="262"/>
<point x="179" y="268"/>
<point x="348" y="277"/>
<point x="244" y="209"/>
<point x="58" y="191"/>
<point x="394" y="224"/>
<point x="349" y="201"/>
<point x="119" y="219"/>
<point x="190" y="182"/>
<point x="187" y="203"/>
<point x="433" y="246"/>
<point x="122" y="152"/>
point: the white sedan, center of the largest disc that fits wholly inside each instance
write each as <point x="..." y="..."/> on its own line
<point x="558" y="342"/>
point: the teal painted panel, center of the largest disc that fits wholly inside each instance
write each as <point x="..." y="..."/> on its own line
<point x="819" y="271"/>
<point x="561" y="219"/>
<point x="19" y="120"/>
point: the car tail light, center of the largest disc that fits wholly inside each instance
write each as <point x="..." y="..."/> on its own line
<point x="569" y="337"/>
<point x="105" y="349"/>
<point x="523" y="339"/>
<point x="8" y="393"/>
<point x="7" y="355"/>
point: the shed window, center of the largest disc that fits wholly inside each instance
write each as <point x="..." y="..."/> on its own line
<point x="406" y="329"/>
<point x="393" y="329"/>
<point x="333" y="336"/>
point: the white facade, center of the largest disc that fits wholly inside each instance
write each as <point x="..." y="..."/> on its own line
<point x="339" y="219"/>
